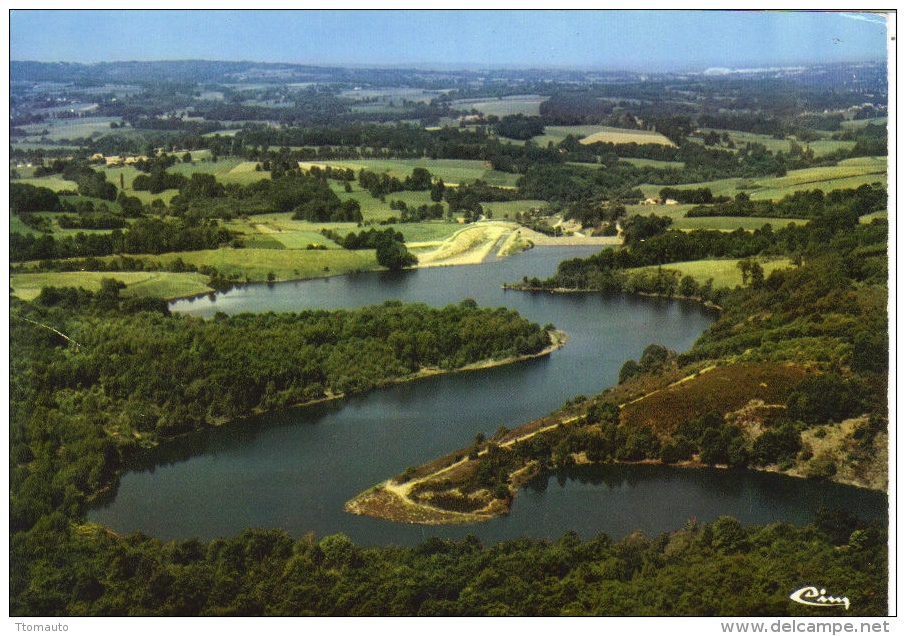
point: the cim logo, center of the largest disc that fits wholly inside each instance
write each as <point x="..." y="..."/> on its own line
<point x="818" y="598"/>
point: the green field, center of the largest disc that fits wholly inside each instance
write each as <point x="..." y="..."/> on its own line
<point x="861" y="123"/>
<point x="16" y="225"/>
<point x="724" y="272"/>
<point x="509" y="105"/>
<point x="820" y="147"/>
<point x="505" y="210"/>
<point x="452" y="171"/>
<point x="270" y="235"/>
<point x="427" y="231"/>
<point x="730" y="223"/>
<point x="868" y="218"/>
<point x="653" y="163"/>
<point x="723" y="223"/>
<point x="391" y="93"/>
<point x="849" y="173"/>
<point x="73" y="128"/>
<point x="229" y="170"/>
<point x="52" y="182"/>
<point x="166" y="285"/>
<point x="675" y="212"/>
<point x="256" y="264"/>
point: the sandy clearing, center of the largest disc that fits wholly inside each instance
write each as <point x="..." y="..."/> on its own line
<point x="474" y="243"/>
<point x="468" y="246"/>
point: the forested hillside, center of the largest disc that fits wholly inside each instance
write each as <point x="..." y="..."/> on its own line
<point x="95" y="378"/>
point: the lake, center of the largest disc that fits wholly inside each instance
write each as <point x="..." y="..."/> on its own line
<point x="295" y="469"/>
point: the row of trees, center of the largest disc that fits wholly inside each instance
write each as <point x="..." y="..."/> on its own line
<point x="809" y="204"/>
<point x="389" y="245"/>
<point x="150" y="235"/>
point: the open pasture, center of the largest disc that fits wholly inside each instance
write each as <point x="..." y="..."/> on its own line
<point x="849" y="173"/>
<point x="590" y="134"/>
<point x="427" y="231"/>
<point x="724" y="272"/>
<point x="391" y="93"/>
<point x="722" y="223"/>
<point x="69" y="128"/>
<point x="166" y="285"/>
<point x="675" y="212"/>
<point x="820" y="147"/>
<point x="653" y="163"/>
<point x="228" y="170"/>
<point x="868" y="218"/>
<point x="452" y="171"/>
<point x="256" y="264"/>
<point x="509" y="105"/>
<point x="504" y="210"/>
<point x="861" y="123"/>
<point x="625" y="136"/>
<point x="281" y="231"/>
<point x="730" y="223"/>
<point x="51" y="182"/>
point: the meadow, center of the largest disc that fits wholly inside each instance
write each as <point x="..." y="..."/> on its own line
<point x="607" y="134"/>
<point x="820" y="147"/>
<point x="590" y="134"/>
<point x="509" y="105"/>
<point x="452" y="171"/>
<point x="724" y="272"/>
<point x="68" y="128"/>
<point x="726" y="223"/>
<point x="167" y="285"/>
<point x="52" y="182"/>
<point x="849" y="173"/>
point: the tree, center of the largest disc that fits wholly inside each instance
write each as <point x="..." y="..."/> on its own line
<point x="757" y="274"/>
<point x="688" y="287"/>
<point x="420" y="180"/>
<point x="629" y="370"/>
<point x="392" y="252"/>
<point x="745" y="266"/>
<point x="437" y="191"/>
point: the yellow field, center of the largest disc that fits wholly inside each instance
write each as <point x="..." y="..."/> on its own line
<point x="54" y="183"/>
<point x="624" y="136"/>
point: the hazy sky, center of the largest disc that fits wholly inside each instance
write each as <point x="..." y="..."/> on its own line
<point x="653" y="40"/>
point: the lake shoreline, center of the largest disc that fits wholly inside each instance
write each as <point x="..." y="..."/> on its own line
<point x="558" y="340"/>
<point x="391" y="500"/>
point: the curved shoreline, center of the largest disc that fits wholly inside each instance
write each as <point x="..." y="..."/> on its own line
<point x="558" y="340"/>
<point x="408" y="498"/>
<point x="392" y="501"/>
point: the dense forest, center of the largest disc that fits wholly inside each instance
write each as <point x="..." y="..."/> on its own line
<point x="720" y="568"/>
<point x="95" y="377"/>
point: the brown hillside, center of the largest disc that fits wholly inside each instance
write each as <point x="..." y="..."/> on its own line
<point x="722" y="389"/>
